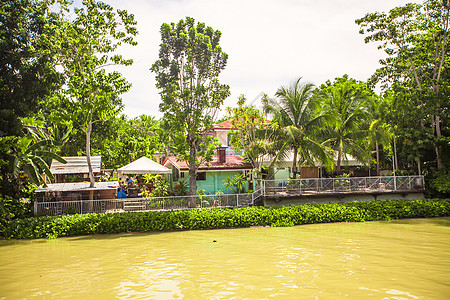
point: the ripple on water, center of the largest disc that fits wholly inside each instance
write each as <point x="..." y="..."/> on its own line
<point x="381" y="260"/>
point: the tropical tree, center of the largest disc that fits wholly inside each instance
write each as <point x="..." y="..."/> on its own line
<point x="34" y="157"/>
<point x="86" y="44"/>
<point x="239" y="181"/>
<point x="378" y="131"/>
<point x="415" y="37"/>
<point x="27" y="62"/>
<point x="294" y="110"/>
<point x="190" y="61"/>
<point x="346" y="101"/>
<point x="229" y="183"/>
<point x="253" y="134"/>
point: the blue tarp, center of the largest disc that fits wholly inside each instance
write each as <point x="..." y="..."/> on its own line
<point x="121" y="193"/>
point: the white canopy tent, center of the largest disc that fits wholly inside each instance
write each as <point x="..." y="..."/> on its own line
<point x="144" y="165"/>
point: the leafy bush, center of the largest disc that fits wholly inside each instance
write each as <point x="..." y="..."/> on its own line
<point x="69" y="225"/>
<point x="438" y="183"/>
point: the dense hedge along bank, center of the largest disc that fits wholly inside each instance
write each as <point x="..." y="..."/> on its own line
<point x="69" y="225"/>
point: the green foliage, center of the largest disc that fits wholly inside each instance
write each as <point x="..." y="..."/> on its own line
<point x="228" y="182"/>
<point x="156" y="186"/>
<point x="11" y="208"/>
<point x="438" y="183"/>
<point x="35" y="156"/>
<point x="415" y="37"/>
<point x="346" y="100"/>
<point x="86" y="45"/>
<point x="256" y="136"/>
<point x="69" y="225"/>
<point x="27" y="72"/>
<point x="181" y="188"/>
<point x="237" y="182"/>
<point x="294" y="109"/>
<point x="190" y="61"/>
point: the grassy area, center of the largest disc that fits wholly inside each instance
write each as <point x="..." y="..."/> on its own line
<point x="290" y="215"/>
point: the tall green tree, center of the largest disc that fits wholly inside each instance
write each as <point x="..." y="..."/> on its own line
<point x="87" y="44"/>
<point x="27" y="62"/>
<point x="345" y="100"/>
<point x="378" y="131"/>
<point x="294" y="109"/>
<point x="187" y="71"/>
<point x="415" y="37"/>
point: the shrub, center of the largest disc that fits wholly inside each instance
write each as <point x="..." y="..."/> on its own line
<point x="438" y="183"/>
<point x="69" y="225"/>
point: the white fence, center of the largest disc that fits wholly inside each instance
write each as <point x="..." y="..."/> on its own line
<point x="143" y="204"/>
<point x="342" y="185"/>
<point x="77" y="207"/>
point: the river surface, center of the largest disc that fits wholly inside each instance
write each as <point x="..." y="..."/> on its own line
<point x="405" y="259"/>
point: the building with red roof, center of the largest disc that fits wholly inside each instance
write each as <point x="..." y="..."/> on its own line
<point x="212" y="175"/>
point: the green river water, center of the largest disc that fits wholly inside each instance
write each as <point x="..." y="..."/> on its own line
<point x="405" y="259"/>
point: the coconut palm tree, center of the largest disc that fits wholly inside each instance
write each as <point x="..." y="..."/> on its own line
<point x="346" y="101"/>
<point x="294" y="110"/>
<point x="378" y="132"/>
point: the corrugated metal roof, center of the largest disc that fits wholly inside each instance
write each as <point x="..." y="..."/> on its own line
<point x="78" y="186"/>
<point x="232" y="162"/>
<point x="76" y="165"/>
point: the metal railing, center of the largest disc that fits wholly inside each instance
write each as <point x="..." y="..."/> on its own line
<point x="263" y="188"/>
<point x="342" y="185"/>
<point x="143" y="204"/>
<point x="77" y="207"/>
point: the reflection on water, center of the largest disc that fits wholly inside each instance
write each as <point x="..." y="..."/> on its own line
<point x="406" y="259"/>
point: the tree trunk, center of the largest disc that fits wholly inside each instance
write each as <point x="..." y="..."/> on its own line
<point x="436" y="146"/>
<point x="395" y="150"/>
<point x="338" y="163"/>
<point x="378" y="158"/>
<point x="192" y="186"/>
<point x="192" y="174"/>
<point x="419" y="167"/>
<point x="88" y="155"/>
<point x="294" y="164"/>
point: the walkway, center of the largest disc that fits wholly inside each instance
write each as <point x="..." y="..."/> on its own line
<point x="343" y="185"/>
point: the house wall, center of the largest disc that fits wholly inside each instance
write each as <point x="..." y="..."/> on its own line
<point x="214" y="181"/>
<point x="281" y="173"/>
<point x="223" y="138"/>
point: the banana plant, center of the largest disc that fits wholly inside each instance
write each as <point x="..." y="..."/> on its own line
<point x="33" y="157"/>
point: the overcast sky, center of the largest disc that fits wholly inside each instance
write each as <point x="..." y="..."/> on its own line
<point x="269" y="43"/>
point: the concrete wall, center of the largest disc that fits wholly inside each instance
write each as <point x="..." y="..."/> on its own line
<point x="340" y="198"/>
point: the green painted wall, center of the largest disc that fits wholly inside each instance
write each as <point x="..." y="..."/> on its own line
<point x="281" y="173"/>
<point x="214" y="181"/>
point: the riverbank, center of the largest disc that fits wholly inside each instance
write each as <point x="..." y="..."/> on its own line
<point x="290" y="215"/>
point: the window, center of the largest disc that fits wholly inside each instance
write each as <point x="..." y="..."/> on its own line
<point x="201" y="176"/>
<point x="182" y="174"/>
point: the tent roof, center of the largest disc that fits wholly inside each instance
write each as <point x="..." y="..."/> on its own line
<point x="144" y="165"/>
<point x="76" y="165"/>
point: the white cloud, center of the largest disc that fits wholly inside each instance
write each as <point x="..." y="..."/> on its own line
<point x="269" y="43"/>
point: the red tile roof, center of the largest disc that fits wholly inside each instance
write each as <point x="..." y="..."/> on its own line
<point x="233" y="162"/>
<point x="226" y="125"/>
